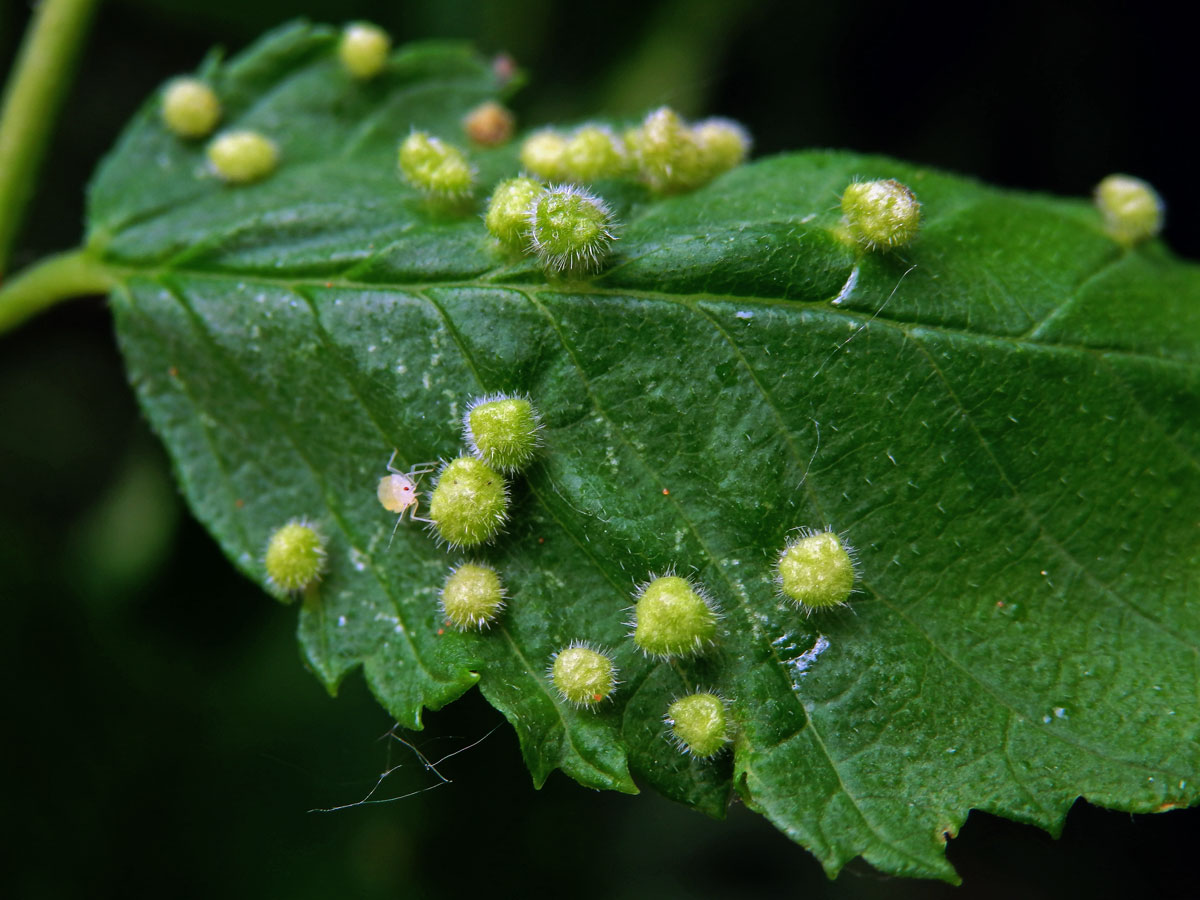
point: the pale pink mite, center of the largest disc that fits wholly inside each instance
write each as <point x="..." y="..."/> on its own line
<point x="398" y="491"/>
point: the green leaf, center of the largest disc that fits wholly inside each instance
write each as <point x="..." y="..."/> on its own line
<point x="1001" y="418"/>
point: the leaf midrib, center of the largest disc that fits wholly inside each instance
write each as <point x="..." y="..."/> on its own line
<point x="909" y="327"/>
<point x="297" y="288"/>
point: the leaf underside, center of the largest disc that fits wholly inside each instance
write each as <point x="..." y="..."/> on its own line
<point x="1002" y="419"/>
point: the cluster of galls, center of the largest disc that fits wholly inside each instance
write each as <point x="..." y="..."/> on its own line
<point x="674" y="618"/>
<point x="191" y="110"/>
<point x="699" y="724"/>
<point x="665" y="153"/>
<point x="468" y="505"/>
<point x="571" y="230"/>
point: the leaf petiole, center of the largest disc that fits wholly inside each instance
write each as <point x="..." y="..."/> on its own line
<point x="75" y="273"/>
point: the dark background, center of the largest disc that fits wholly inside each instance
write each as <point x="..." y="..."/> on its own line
<point x="162" y="734"/>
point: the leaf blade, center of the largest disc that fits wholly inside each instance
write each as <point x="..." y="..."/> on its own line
<point x="1002" y="419"/>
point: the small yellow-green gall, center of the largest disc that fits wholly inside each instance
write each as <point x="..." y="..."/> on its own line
<point x="699" y="724"/>
<point x="241" y="157"/>
<point x="469" y="503"/>
<point x="632" y="138"/>
<point x="295" y="557"/>
<point x="472" y="596"/>
<point x="420" y="153"/>
<point x="544" y="154"/>
<point x="1132" y="209"/>
<point x="435" y="167"/>
<point x="593" y="152"/>
<point x="507" y="216"/>
<point x="723" y="144"/>
<point x="364" y="49"/>
<point x="582" y="675"/>
<point x="673" y="618"/>
<point x="571" y="229"/>
<point x="503" y="431"/>
<point x="881" y="215"/>
<point x="489" y="124"/>
<point x="816" y="571"/>
<point x="190" y="108"/>
<point x="668" y="155"/>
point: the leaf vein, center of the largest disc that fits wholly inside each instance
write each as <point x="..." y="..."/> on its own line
<point x="733" y="588"/>
<point x="1035" y="519"/>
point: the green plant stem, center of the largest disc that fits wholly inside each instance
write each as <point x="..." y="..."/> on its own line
<point x="59" y="277"/>
<point x="32" y="98"/>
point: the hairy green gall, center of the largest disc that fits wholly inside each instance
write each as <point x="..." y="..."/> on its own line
<point x="669" y="158"/>
<point x="664" y="152"/>
<point x="881" y="215"/>
<point x="672" y="618"/>
<point x="190" y="108"/>
<point x="295" y="557"/>
<point x="594" y="152"/>
<point x="472" y="596"/>
<point x="364" y="49"/>
<point x="571" y="229"/>
<point x="502" y="430"/>
<point x="544" y="154"/>
<point x="582" y="674"/>
<point x="816" y="571"/>
<point x="507" y="216"/>
<point x="699" y="724"/>
<point x="672" y="156"/>
<point x="435" y="167"/>
<point x="490" y="124"/>
<point x="241" y="157"/>
<point x="723" y="143"/>
<point x="469" y="502"/>
<point x="1132" y="209"/>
